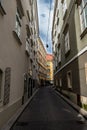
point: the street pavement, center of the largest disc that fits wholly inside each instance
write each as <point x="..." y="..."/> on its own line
<point x="48" y="111"/>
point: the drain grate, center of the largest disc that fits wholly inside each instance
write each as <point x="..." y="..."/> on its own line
<point x="21" y="123"/>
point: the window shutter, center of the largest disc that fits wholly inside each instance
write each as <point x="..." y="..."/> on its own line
<point x="7" y="85"/>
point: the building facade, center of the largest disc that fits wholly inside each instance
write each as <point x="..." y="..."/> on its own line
<point x="42" y="67"/>
<point x="18" y="45"/>
<point x="70" y="49"/>
<point x="49" y="79"/>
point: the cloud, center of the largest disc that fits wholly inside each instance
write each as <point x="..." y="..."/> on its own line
<point x="43" y="12"/>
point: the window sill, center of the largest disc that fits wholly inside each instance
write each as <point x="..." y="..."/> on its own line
<point x="2" y="10"/>
<point x="16" y="36"/>
<point x="83" y="33"/>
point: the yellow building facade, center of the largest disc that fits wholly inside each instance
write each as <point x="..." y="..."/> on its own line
<point x="49" y="58"/>
<point x="41" y="59"/>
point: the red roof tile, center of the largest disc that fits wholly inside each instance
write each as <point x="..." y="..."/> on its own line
<point x="49" y="57"/>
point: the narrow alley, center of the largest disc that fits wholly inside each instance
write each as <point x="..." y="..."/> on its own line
<point x="48" y="111"/>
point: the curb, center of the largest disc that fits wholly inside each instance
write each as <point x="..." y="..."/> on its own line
<point x="76" y="107"/>
<point x="14" y="118"/>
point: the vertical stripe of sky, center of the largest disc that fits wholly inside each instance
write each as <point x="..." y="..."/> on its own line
<point x="43" y="13"/>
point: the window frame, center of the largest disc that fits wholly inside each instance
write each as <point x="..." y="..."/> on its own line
<point x="82" y="14"/>
<point x="69" y="79"/>
<point x="64" y="8"/>
<point x="86" y="72"/>
<point x="1" y="72"/>
<point x="2" y="10"/>
<point x="59" y="53"/>
<point x="67" y="42"/>
<point x="18" y="23"/>
<point x="60" y="82"/>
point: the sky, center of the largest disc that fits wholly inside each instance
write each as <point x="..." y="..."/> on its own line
<point x="43" y="14"/>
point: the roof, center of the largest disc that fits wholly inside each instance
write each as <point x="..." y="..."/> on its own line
<point x="49" y="57"/>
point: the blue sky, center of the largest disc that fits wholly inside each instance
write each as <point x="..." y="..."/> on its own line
<point x="43" y="13"/>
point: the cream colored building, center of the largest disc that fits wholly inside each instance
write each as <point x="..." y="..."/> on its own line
<point x="18" y="41"/>
<point x="69" y="35"/>
<point x="42" y="67"/>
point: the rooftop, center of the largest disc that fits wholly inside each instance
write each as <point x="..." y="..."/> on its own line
<point x="49" y="57"/>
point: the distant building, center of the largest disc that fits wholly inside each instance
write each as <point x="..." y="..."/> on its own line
<point x="49" y="79"/>
<point x="69" y="36"/>
<point x="42" y="68"/>
<point x="18" y="54"/>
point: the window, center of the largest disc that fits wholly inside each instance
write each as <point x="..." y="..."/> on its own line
<point x="0" y="82"/>
<point x="2" y="11"/>
<point x="60" y="83"/>
<point x="27" y="47"/>
<point x="69" y="79"/>
<point x="83" y="14"/>
<point x="18" y="23"/>
<point x="59" y="54"/>
<point x="48" y="64"/>
<point x="86" y="71"/>
<point x="64" y="7"/>
<point x="57" y="21"/>
<point x="28" y="15"/>
<point x="67" y="44"/>
<point x="7" y="86"/>
<point x="56" y="82"/>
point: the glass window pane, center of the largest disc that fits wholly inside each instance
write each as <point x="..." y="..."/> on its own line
<point x="86" y="14"/>
<point x="84" y="1"/>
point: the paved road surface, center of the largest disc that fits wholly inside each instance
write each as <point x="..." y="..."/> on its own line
<point x="47" y="111"/>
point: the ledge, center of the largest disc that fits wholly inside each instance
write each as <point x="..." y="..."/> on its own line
<point x="16" y="36"/>
<point x="2" y="10"/>
<point x="83" y="33"/>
